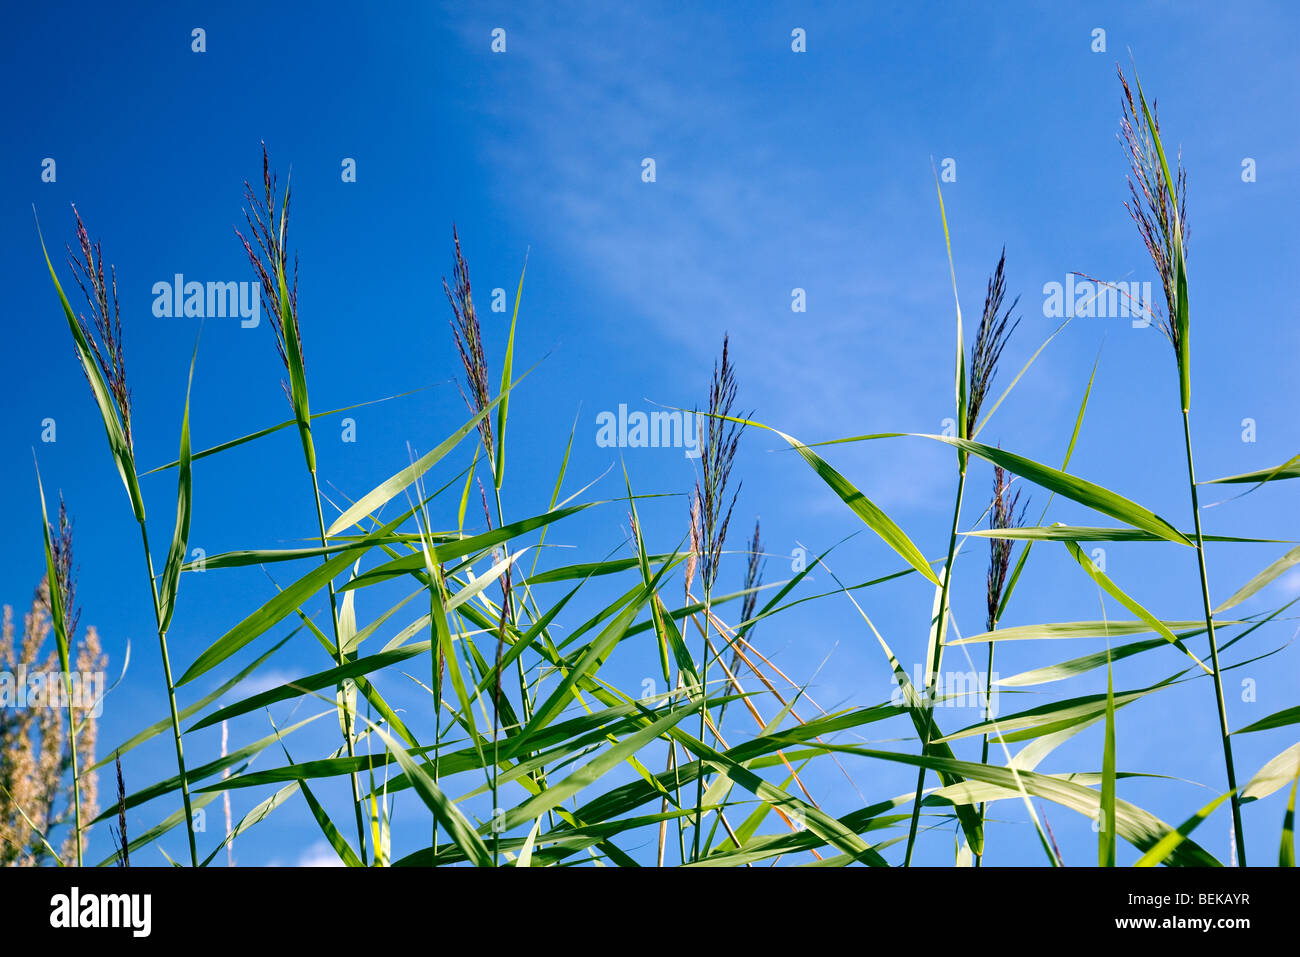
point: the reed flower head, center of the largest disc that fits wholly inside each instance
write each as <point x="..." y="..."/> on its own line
<point x="270" y="260"/>
<point x="1002" y="514"/>
<point x="120" y="840"/>
<point x="65" y="572"/>
<point x="104" y="328"/>
<point x="753" y="579"/>
<point x="469" y="343"/>
<point x="1159" y="212"/>
<point x="719" y="445"/>
<point x="996" y="326"/>
<point x="753" y="575"/>
<point x="693" y="559"/>
<point x="35" y="751"/>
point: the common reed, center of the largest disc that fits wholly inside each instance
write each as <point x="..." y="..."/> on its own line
<point x="1158" y="206"/>
<point x="467" y="333"/>
<point x="710" y="518"/>
<point x="568" y="770"/>
<point x="974" y="382"/>
<point x="101" y="352"/>
<point x="280" y="300"/>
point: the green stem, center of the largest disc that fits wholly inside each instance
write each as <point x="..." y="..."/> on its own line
<point x="704" y="716"/>
<point x="937" y="660"/>
<point x="76" y="777"/>
<point x="349" y="733"/>
<point x="171" y="700"/>
<point x="988" y="716"/>
<point x="525" y="702"/>
<point x="1214" y="647"/>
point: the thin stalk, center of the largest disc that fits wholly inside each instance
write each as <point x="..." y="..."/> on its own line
<point x="704" y="717"/>
<point x="437" y="725"/>
<point x="1214" y="646"/>
<point x="76" y="777"/>
<point x="507" y="614"/>
<point x="937" y="658"/>
<point x="435" y="660"/>
<point x="349" y="733"/>
<point x="496" y="744"/>
<point x="171" y="700"/>
<point x="525" y="702"/>
<point x="988" y="716"/>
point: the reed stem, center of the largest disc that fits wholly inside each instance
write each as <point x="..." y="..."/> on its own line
<point x="76" y="776"/>
<point x="984" y="753"/>
<point x="933" y="675"/>
<point x="704" y="718"/>
<point x="1214" y="647"/>
<point x="349" y="733"/>
<point x="171" y="700"/>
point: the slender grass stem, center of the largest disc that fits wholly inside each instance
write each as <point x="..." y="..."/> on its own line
<point x="349" y="733"/>
<point x="76" y="776"/>
<point x="507" y="614"/>
<point x="984" y="753"/>
<point x="171" y="700"/>
<point x="1214" y="647"/>
<point x="937" y="660"/>
<point x="704" y="717"/>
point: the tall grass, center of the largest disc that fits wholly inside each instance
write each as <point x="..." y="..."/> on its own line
<point x="1158" y="205"/>
<point x="561" y="765"/>
<point x="102" y="356"/>
<point x="270" y="262"/>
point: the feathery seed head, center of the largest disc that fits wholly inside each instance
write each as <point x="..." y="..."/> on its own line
<point x="1159" y="213"/>
<point x="104" y="328"/>
<point x="270" y="259"/>
<point x="994" y="331"/>
<point x="469" y="343"/>
<point x="720" y="443"/>
<point x="693" y="559"/>
<point x="1003" y="514"/>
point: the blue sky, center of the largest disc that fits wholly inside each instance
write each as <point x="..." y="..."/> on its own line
<point x="774" y="170"/>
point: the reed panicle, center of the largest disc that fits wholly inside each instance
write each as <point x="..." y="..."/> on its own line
<point x="995" y="329"/>
<point x="270" y="259"/>
<point x="695" y="540"/>
<point x="753" y="580"/>
<point x="1159" y="213"/>
<point x="121" y="842"/>
<point x="1003" y="513"/>
<point x="469" y="343"/>
<point x="719" y="444"/>
<point x="103" y="331"/>
<point x="64" y="571"/>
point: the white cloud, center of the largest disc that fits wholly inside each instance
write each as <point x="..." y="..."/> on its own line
<point x="319" y="854"/>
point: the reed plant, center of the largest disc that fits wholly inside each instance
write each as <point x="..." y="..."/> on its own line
<point x="99" y="344"/>
<point x="1158" y="205"/>
<point x="563" y="764"/>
